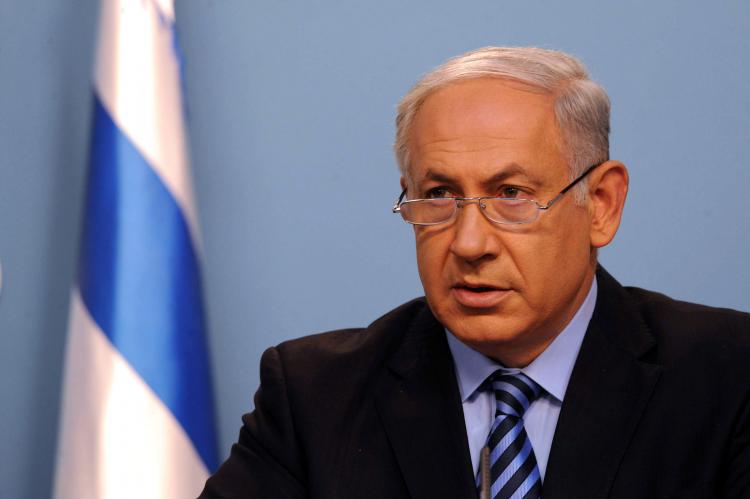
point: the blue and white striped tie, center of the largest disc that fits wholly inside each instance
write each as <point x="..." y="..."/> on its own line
<point x="513" y="469"/>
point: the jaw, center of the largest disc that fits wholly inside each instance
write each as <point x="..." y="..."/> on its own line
<point x="513" y="331"/>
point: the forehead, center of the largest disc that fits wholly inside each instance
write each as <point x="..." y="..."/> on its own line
<point x="485" y="123"/>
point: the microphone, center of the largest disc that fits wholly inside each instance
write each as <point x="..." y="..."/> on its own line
<point x="484" y="473"/>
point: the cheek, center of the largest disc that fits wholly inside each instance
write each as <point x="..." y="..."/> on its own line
<point x="532" y="257"/>
<point x="432" y="250"/>
<point x="567" y="235"/>
<point x="548" y="261"/>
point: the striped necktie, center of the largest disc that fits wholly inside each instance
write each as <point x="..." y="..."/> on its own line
<point x="513" y="470"/>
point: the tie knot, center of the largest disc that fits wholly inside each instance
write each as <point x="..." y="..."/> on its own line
<point x="514" y="392"/>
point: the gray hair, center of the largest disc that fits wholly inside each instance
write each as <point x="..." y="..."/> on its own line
<point x="581" y="105"/>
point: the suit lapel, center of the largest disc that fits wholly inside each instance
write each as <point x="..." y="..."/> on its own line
<point x="418" y="400"/>
<point x="607" y="394"/>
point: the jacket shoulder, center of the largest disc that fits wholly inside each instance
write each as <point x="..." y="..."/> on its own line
<point x="657" y="307"/>
<point x="350" y="342"/>
<point x="347" y="357"/>
<point x="681" y="327"/>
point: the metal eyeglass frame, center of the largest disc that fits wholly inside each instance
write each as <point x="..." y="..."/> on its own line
<point x="400" y="201"/>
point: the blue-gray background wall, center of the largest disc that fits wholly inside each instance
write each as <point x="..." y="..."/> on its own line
<point x="291" y="108"/>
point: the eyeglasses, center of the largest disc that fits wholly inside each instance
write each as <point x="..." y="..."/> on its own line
<point x="506" y="211"/>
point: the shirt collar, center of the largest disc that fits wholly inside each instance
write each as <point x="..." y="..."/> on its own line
<point x="551" y="369"/>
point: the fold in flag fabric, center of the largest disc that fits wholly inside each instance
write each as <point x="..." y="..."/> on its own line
<point x="137" y="411"/>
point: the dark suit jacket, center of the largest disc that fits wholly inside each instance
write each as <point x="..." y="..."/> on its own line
<point x="658" y="406"/>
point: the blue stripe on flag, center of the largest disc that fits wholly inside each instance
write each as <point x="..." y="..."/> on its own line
<point x="140" y="280"/>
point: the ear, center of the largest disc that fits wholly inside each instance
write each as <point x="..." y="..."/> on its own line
<point x="403" y="182"/>
<point x="608" y="188"/>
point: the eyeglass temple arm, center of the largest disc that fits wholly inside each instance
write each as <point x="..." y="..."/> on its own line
<point x="397" y="204"/>
<point x="569" y="187"/>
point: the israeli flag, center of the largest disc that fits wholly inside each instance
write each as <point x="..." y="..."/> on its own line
<point x="137" y="412"/>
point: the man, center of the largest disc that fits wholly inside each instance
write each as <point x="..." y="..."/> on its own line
<point x="527" y="370"/>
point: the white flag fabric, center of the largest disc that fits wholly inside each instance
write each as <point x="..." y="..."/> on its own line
<point x="137" y="412"/>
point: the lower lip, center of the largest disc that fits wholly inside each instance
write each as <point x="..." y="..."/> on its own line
<point x="479" y="299"/>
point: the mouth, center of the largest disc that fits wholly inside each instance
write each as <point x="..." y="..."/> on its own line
<point x="478" y="295"/>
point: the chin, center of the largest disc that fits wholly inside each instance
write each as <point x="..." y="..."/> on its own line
<point x="483" y="329"/>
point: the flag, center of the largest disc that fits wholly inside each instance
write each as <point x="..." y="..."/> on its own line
<point x="137" y="411"/>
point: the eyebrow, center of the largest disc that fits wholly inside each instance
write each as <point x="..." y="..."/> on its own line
<point x="508" y="171"/>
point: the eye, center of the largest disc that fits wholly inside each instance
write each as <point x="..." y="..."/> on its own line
<point x="438" y="192"/>
<point x="510" y="191"/>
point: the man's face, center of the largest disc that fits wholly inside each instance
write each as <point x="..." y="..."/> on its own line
<point x="506" y="290"/>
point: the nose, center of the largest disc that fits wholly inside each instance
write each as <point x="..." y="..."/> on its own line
<point x="474" y="237"/>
